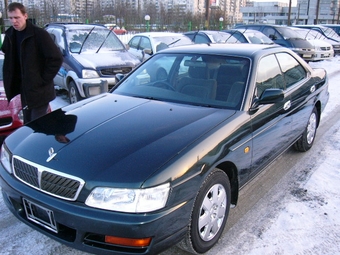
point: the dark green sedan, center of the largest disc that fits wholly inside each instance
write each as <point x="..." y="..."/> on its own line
<point x="160" y="159"/>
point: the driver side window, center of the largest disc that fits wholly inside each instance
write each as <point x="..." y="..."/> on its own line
<point x="268" y="75"/>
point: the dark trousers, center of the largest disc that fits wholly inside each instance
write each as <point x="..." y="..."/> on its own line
<point x="34" y="113"/>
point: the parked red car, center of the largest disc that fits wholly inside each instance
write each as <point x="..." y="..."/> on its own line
<point x="11" y="116"/>
<point x="116" y="29"/>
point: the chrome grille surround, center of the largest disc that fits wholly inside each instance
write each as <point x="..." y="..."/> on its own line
<point x="47" y="180"/>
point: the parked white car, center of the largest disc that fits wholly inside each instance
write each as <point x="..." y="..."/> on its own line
<point x="323" y="49"/>
<point x="143" y="45"/>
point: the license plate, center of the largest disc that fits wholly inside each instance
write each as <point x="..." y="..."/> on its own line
<point x="40" y="215"/>
<point x="306" y="56"/>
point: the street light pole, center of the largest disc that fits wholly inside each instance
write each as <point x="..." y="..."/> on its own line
<point x="221" y="23"/>
<point x="147" y="19"/>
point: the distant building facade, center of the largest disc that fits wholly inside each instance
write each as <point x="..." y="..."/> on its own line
<point x="304" y="12"/>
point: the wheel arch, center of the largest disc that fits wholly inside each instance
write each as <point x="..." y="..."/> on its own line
<point x="231" y="171"/>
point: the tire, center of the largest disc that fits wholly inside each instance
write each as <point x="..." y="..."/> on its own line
<point x="307" y="139"/>
<point x="209" y="214"/>
<point x="73" y="93"/>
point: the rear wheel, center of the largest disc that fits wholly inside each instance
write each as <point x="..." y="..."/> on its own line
<point x="73" y="93"/>
<point x="209" y="215"/>
<point x="308" y="136"/>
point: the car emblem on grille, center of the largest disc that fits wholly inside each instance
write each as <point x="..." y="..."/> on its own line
<point x="51" y="154"/>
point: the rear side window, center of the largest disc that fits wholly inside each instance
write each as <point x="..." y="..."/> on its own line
<point x="292" y="70"/>
<point x="57" y="36"/>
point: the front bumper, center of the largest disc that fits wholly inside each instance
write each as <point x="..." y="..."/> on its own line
<point x="306" y="55"/>
<point x="92" y="87"/>
<point x="85" y="228"/>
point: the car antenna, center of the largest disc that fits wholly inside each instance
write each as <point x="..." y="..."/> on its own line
<point x="87" y="36"/>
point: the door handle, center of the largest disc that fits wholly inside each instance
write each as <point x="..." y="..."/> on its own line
<point x="287" y="105"/>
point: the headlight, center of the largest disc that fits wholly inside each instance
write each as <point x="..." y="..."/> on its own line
<point x="129" y="200"/>
<point x="21" y="116"/>
<point x="6" y="159"/>
<point x="87" y="74"/>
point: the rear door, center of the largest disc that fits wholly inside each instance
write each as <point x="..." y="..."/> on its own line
<point x="299" y="88"/>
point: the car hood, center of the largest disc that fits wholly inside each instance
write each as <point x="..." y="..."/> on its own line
<point x="115" y="138"/>
<point x="300" y="43"/>
<point x="106" y="59"/>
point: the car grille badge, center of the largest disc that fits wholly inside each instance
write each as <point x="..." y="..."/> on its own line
<point x="51" y="154"/>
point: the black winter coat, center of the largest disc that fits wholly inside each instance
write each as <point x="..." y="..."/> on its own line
<point x="40" y="62"/>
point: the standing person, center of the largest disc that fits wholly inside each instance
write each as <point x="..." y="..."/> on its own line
<point x="31" y="61"/>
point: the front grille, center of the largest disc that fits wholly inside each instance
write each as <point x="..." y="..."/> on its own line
<point x="47" y="180"/>
<point x="114" y="71"/>
<point x="325" y="48"/>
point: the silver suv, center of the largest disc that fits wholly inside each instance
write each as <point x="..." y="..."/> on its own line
<point x="93" y="55"/>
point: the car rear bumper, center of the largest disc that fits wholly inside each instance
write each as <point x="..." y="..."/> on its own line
<point x="85" y="228"/>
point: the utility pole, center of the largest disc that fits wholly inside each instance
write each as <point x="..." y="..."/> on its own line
<point x="5" y="9"/>
<point x="316" y="21"/>
<point x="289" y="12"/>
<point x="207" y="14"/>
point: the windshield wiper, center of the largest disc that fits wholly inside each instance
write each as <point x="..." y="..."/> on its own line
<point x="104" y="41"/>
<point x="87" y="36"/>
<point x="174" y="42"/>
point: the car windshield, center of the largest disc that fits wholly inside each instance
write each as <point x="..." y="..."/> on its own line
<point x="257" y="37"/>
<point x="195" y="79"/>
<point x="311" y="34"/>
<point x="92" y="40"/>
<point x="172" y="41"/>
<point x="218" y="37"/>
<point x="330" y="33"/>
<point x="288" y="33"/>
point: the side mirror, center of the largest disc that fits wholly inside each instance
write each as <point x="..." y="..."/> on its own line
<point x="119" y="77"/>
<point x="148" y="51"/>
<point x="273" y="37"/>
<point x="269" y="96"/>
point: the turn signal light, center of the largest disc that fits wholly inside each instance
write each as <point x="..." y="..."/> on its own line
<point x="140" y="242"/>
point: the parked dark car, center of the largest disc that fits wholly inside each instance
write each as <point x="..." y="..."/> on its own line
<point x="286" y="37"/>
<point x="160" y="159"/>
<point x="11" y="115"/>
<point x="93" y="55"/>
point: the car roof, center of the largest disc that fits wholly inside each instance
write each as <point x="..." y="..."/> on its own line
<point x="73" y="25"/>
<point x="252" y="25"/>
<point x="233" y="49"/>
<point x="158" y="34"/>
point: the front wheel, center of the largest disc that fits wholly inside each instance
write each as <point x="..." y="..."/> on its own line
<point x="307" y="139"/>
<point x="209" y="214"/>
<point x="73" y="93"/>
